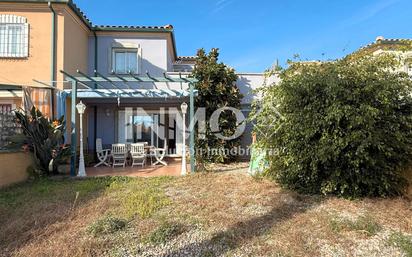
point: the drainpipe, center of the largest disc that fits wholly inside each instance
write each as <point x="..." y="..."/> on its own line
<point x="53" y="56"/>
<point x="95" y="53"/>
<point x="95" y="86"/>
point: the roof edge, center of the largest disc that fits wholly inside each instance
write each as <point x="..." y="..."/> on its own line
<point x="386" y="41"/>
<point x="96" y="28"/>
<point x="70" y="3"/>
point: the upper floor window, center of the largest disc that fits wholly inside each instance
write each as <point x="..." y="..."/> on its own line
<point x="125" y="60"/>
<point x="14" y="36"/>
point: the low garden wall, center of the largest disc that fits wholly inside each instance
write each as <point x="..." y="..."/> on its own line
<point x="13" y="167"/>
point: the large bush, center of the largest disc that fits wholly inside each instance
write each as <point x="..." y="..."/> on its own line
<point x="342" y="127"/>
<point x="216" y="89"/>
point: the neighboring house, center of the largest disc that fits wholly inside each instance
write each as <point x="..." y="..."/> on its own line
<point x="400" y="47"/>
<point x="38" y="39"/>
<point x="33" y="36"/>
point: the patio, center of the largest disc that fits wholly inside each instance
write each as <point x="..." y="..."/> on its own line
<point x="172" y="169"/>
<point x="130" y="109"/>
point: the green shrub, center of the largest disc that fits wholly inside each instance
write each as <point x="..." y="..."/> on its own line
<point x="342" y="127"/>
<point x="166" y="231"/>
<point x="106" y="225"/>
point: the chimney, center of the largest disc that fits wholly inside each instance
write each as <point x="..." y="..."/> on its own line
<point x="379" y="39"/>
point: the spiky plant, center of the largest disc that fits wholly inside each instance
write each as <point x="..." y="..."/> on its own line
<point x="44" y="139"/>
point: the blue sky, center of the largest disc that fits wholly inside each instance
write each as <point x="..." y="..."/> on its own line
<point x="252" y="35"/>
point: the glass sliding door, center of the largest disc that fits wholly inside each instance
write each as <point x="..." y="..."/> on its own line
<point x="136" y="127"/>
<point x="143" y="126"/>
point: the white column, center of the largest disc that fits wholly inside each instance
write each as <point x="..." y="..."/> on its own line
<point x="184" y="109"/>
<point x="82" y="171"/>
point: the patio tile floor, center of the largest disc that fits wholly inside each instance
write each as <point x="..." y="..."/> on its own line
<point x="172" y="169"/>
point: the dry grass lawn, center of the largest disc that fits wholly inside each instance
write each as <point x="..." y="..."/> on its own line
<point x="213" y="214"/>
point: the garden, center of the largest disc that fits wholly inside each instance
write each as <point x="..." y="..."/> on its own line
<point x="208" y="214"/>
<point x="337" y="144"/>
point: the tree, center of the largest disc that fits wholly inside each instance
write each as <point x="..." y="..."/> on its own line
<point x="342" y="127"/>
<point x="216" y="89"/>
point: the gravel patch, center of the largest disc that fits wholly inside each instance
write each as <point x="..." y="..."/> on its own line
<point x="374" y="246"/>
<point x="194" y="243"/>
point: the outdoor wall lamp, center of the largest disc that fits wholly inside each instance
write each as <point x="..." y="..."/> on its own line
<point x="107" y="112"/>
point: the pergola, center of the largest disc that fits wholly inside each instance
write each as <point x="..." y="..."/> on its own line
<point x="100" y="86"/>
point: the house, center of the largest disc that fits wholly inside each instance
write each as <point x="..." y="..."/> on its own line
<point x="130" y="77"/>
<point x="402" y="48"/>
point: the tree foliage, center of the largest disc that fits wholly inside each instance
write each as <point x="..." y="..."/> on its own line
<point x="342" y="127"/>
<point x="216" y="89"/>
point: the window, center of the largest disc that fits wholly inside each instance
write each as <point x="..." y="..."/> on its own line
<point x="14" y="36"/>
<point x="125" y="61"/>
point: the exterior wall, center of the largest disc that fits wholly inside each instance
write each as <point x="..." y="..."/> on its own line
<point x="247" y="82"/>
<point x="106" y="125"/>
<point x="71" y="42"/>
<point x="22" y="71"/>
<point x="71" y="54"/>
<point x="72" y="37"/>
<point x="154" y="47"/>
<point x="73" y="47"/>
<point x="169" y="61"/>
<point x="13" y="167"/>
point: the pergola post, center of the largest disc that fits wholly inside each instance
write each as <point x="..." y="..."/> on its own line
<point x="73" y="145"/>
<point x="192" y="129"/>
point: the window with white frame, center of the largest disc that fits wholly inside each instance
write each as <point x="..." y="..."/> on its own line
<point x="125" y="60"/>
<point x="14" y="36"/>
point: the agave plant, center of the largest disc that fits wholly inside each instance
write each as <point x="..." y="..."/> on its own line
<point x="44" y="139"/>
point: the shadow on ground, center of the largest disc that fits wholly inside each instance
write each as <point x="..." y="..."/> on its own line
<point x="40" y="207"/>
<point x="236" y="235"/>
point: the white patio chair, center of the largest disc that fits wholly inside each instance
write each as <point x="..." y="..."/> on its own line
<point x="119" y="155"/>
<point x="138" y="154"/>
<point x="159" y="154"/>
<point x="102" y="154"/>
